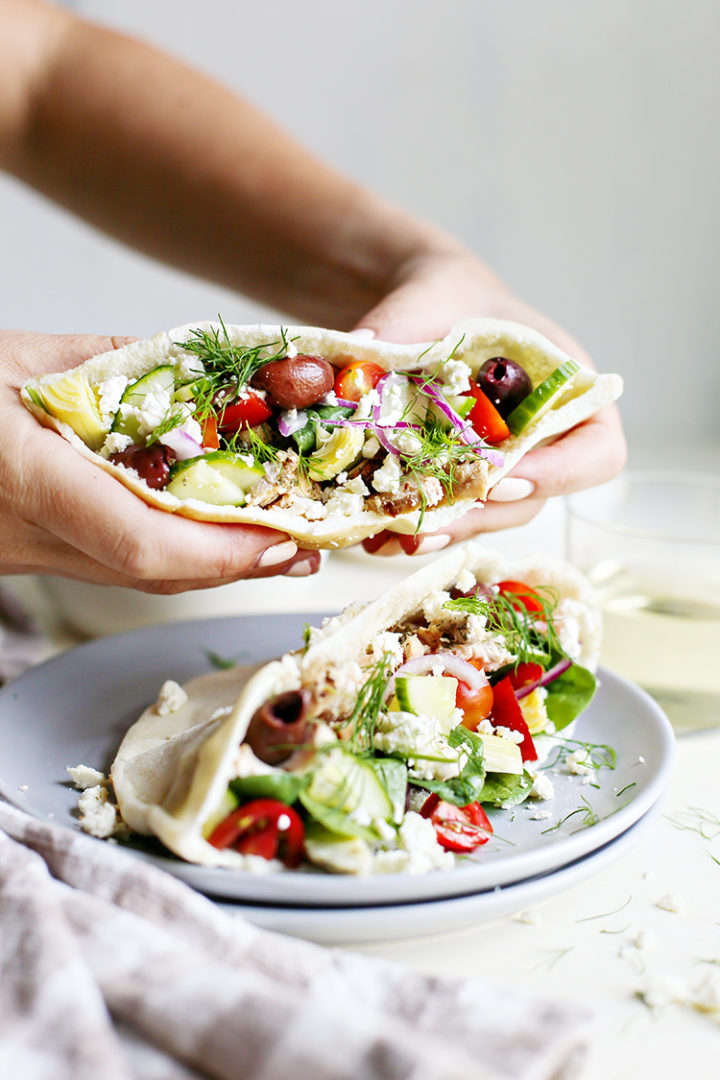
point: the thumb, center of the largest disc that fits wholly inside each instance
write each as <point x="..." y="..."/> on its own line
<point x="413" y="312"/>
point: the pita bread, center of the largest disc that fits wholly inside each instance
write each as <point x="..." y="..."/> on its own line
<point x="472" y="341"/>
<point x="172" y="771"/>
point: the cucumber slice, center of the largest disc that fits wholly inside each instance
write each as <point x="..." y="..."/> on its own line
<point x="501" y="755"/>
<point x="72" y="400"/>
<point x="222" y="478"/>
<point x="345" y="783"/>
<point x="229" y="803"/>
<point x="539" y="399"/>
<point x="339" y="854"/>
<point x="426" y="695"/>
<point x="158" y="383"/>
<point x="336" y="453"/>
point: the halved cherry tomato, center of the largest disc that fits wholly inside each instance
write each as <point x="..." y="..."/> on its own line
<point x="210" y="432"/>
<point x="475" y="704"/>
<point x="458" y="828"/>
<point x="265" y="827"/>
<point x="357" y="378"/>
<point x="247" y="411"/>
<point x="524" y="674"/>
<point x="485" y="419"/>
<point x="527" y="599"/>
<point x="506" y="713"/>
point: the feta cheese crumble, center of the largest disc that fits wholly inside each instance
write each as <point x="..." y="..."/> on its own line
<point x="171" y="698"/>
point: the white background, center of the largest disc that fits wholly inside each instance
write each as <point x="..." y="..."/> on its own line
<point x="573" y="146"/>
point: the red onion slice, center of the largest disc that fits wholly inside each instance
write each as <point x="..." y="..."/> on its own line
<point x="345" y="404"/>
<point x="289" y="424"/>
<point x="451" y="665"/>
<point x="550" y="675"/>
<point x="182" y="444"/>
<point x="464" y="429"/>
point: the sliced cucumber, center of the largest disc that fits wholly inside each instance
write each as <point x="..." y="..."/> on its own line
<point x="158" y="383"/>
<point x="501" y="755"/>
<point x="346" y="783"/>
<point x="229" y="803"/>
<point x="222" y="478"/>
<point x="73" y="400"/>
<point x="539" y="399"/>
<point x="339" y="854"/>
<point x="426" y="695"/>
<point x="337" y="452"/>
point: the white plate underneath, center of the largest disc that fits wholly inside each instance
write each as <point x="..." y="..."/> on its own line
<point x="76" y="708"/>
<point x="399" y="922"/>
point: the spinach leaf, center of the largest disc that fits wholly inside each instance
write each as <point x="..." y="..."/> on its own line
<point x="506" y="789"/>
<point x="283" y="786"/>
<point x="466" y="787"/>
<point x="569" y="694"/>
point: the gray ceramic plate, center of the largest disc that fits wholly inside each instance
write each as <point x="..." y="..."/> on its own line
<point x="75" y="709"/>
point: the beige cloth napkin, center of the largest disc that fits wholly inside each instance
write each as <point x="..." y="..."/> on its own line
<point x="111" y="968"/>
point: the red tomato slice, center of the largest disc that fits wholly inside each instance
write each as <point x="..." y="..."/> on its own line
<point x="458" y="828"/>
<point x="506" y="713"/>
<point x="265" y="827"/>
<point x="528" y="599"/>
<point x="357" y="378"/>
<point x="475" y="704"/>
<point x="485" y="419"/>
<point x="247" y="411"/>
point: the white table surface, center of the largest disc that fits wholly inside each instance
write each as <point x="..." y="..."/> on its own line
<point x="571" y="946"/>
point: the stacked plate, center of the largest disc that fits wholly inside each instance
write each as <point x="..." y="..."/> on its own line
<point x="76" y="708"/>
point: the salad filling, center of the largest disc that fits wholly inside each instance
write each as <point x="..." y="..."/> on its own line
<point x="307" y="424"/>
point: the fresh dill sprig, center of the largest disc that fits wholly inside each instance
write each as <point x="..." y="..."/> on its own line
<point x="368" y="705"/>
<point x="508" y="614"/>
<point x="172" y="419"/>
<point x="590" y="817"/>
<point x="248" y="441"/>
<point x="597" y="755"/>
<point x="227" y="367"/>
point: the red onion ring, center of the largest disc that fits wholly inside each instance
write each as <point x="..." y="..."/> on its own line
<point x="451" y="664"/>
<point x="182" y="444"/>
<point x="550" y="675"/>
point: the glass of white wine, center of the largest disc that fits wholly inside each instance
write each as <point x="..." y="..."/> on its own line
<point x="649" y="541"/>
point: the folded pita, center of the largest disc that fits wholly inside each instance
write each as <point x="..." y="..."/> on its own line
<point x="380" y="488"/>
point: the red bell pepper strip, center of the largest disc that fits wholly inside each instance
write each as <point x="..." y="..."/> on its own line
<point x="458" y="828"/>
<point x="506" y="713"/>
<point x="486" y="421"/>
<point x="265" y="827"/>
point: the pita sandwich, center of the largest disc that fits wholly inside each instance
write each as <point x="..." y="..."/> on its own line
<point x="354" y="752"/>
<point x="314" y="432"/>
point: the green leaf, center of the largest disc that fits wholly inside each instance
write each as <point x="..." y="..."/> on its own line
<point x="393" y="776"/>
<point x="285" y="787"/>
<point x="337" y="821"/>
<point x="468" y="786"/>
<point x="506" y="789"/>
<point x="569" y="694"/>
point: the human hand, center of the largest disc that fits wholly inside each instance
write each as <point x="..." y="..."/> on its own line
<point x="60" y="514"/>
<point x="426" y="297"/>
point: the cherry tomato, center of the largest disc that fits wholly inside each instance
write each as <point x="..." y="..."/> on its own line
<point x="210" y="432"/>
<point x="357" y="378"/>
<point x="485" y="419"/>
<point x="528" y="600"/>
<point x="507" y="713"/>
<point x="475" y="704"/>
<point x="265" y="827"/>
<point x="247" y="411"/>
<point x="458" y="828"/>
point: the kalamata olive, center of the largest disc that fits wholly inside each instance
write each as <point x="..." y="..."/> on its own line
<point x="505" y="383"/>
<point x="296" y="381"/>
<point x="279" y="726"/>
<point x="151" y="463"/>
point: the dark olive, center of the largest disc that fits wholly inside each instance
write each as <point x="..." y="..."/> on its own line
<point x="296" y="381"/>
<point x="151" y="463"/>
<point x="505" y="383"/>
<point x="279" y="726"/>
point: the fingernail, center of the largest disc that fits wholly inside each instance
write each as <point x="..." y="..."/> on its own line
<point x="432" y="543"/>
<point x="363" y="333"/>
<point x="303" y="568"/>
<point x="511" y="489"/>
<point x="278" y="553"/>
